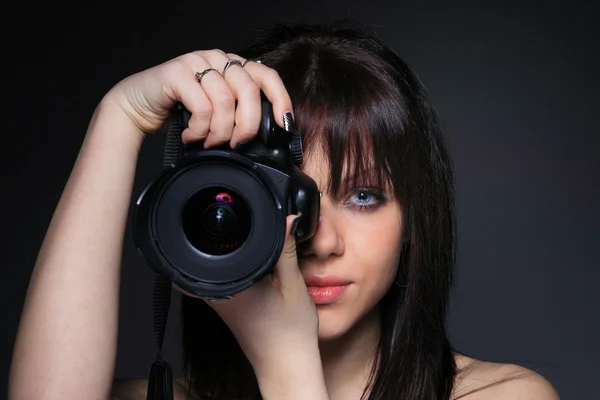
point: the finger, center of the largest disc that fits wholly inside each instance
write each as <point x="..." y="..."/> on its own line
<point x="247" y="93"/>
<point x="182" y="86"/>
<point x="287" y="272"/>
<point x="228" y="308"/>
<point x="269" y="81"/>
<point x="199" y="123"/>
<point x="220" y="96"/>
<point x="183" y="291"/>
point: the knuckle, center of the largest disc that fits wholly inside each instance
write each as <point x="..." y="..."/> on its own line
<point x="290" y="251"/>
<point x="250" y="88"/>
<point x="198" y="134"/>
<point x="226" y="101"/>
<point x="188" y="59"/>
<point x="198" y="127"/>
<point x="216" y="53"/>
<point x="198" y="53"/>
<point x="247" y="130"/>
<point x="232" y="55"/>
<point x="204" y="110"/>
<point x="221" y="135"/>
<point x="271" y="75"/>
<point x="177" y="66"/>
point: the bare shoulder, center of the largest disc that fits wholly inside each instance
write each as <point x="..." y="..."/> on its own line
<point x="137" y="389"/>
<point x="478" y="380"/>
<point x="183" y="390"/>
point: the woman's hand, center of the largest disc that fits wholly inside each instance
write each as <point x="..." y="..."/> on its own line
<point x="276" y="313"/>
<point x="275" y="317"/>
<point x="276" y="324"/>
<point x="147" y="97"/>
<point x="275" y="321"/>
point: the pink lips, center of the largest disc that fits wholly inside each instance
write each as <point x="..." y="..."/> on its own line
<point x="327" y="289"/>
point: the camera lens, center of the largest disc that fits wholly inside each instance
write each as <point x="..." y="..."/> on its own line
<point x="216" y="220"/>
<point x="219" y="220"/>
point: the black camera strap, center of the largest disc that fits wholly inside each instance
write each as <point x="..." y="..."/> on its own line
<point x="160" y="382"/>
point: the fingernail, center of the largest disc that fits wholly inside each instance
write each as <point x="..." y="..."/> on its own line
<point x="288" y="122"/>
<point x="294" y="226"/>
<point x="239" y="146"/>
<point x="218" y="299"/>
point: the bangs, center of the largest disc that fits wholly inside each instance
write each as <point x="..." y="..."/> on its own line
<point x="346" y="140"/>
<point x="350" y="114"/>
<point x="366" y="121"/>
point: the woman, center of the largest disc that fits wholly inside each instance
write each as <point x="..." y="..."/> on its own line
<point x="385" y="238"/>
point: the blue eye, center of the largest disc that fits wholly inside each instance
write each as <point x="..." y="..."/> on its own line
<point x="365" y="198"/>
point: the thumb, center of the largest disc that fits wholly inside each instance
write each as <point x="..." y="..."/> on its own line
<point x="286" y="269"/>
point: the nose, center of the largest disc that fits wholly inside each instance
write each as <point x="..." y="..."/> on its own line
<point x="328" y="239"/>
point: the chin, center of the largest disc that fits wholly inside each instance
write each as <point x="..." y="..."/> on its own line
<point x="333" y="323"/>
<point x="329" y="335"/>
<point x="339" y="320"/>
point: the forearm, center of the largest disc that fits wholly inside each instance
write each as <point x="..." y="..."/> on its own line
<point x="299" y="376"/>
<point x="67" y="338"/>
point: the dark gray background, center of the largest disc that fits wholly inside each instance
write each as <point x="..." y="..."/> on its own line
<point x="515" y="86"/>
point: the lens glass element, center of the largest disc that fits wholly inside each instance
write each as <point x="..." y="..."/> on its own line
<point x="216" y="220"/>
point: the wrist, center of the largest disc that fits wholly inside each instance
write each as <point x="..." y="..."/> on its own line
<point x="110" y="118"/>
<point x="297" y="375"/>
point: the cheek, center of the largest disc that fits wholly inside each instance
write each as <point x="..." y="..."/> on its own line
<point x="376" y="251"/>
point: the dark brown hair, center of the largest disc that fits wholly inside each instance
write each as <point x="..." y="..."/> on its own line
<point x="359" y="101"/>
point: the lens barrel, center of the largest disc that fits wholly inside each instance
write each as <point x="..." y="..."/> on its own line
<point x="214" y="226"/>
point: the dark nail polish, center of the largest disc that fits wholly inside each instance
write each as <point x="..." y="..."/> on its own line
<point x="294" y="226"/>
<point x="240" y="146"/>
<point x="218" y="299"/>
<point x="288" y="122"/>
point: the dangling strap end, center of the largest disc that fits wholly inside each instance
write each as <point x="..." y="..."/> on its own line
<point x="160" y="382"/>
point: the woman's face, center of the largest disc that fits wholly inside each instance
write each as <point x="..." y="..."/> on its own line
<point x="357" y="243"/>
<point x="352" y="259"/>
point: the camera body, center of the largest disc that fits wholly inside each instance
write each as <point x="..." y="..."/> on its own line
<point x="214" y="221"/>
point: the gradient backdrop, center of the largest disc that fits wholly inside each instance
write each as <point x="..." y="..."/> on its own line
<point x="515" y="86"/>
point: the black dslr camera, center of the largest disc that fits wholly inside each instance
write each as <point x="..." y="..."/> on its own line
<point x="214" y="221"/>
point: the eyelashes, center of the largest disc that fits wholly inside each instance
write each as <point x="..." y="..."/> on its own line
<point x="365" y="199"/>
